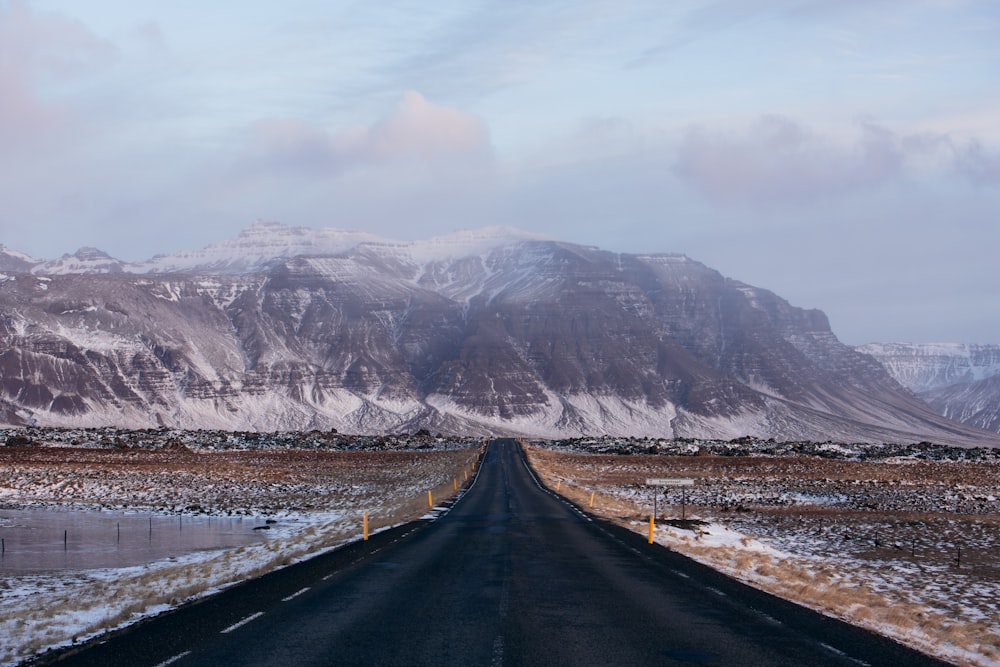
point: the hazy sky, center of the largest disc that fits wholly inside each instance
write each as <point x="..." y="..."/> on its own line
<point x="843" y="153"/>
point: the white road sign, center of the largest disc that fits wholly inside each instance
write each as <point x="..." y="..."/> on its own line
<point x="669" y="481"/>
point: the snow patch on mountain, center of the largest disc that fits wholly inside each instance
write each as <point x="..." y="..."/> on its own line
<point x="15" y="261"/>
<point x="257" y="248"/>
<point x="922" y="367"/>
<point x="975" y="403"/>
<point x="264" y="244"/>
<point x="84" y="260"/>
<point x="574" y="414"/>
<point x="468" y="243"/>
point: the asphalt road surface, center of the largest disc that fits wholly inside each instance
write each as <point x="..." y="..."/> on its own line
<point x="512" y="575"/>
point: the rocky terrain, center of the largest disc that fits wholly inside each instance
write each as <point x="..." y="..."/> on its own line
<point x="488" y="331"/>
<point x="903" y="540"/>
<point x="211" y="473"/>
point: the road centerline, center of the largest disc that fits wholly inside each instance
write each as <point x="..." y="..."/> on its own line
<point x="240" y="624"/>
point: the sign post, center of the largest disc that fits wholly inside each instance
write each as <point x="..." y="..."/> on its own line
<point x="682" y="482"/>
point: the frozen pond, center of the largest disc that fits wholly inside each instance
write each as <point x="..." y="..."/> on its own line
<point x="45" y="540"/>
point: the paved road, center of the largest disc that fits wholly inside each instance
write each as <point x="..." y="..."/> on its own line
<point x="511" y="576"/>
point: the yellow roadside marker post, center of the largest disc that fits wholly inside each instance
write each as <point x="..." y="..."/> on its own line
<point x="366" y="526"/>
<point x="430" y="499"/>
<point x="591" y="500"/>
<point x="650" y="529"/>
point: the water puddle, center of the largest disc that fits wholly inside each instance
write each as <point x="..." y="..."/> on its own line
<point x="45" y="540"/>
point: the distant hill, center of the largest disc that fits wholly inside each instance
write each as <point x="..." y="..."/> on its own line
<point x="959" y="381"/>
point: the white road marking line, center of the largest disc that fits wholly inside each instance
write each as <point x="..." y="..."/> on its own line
<point x="295" y="594"/>
<point x="837" y="651"/>
<point x="170" y="661"/>
<point x="497" y="652"/>
<point x="240" y="624"/>
<point x="768" y="618"/>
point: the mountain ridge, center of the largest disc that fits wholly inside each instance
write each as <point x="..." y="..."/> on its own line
<point x="483" y="331"/>
<point x="261" y="245"/>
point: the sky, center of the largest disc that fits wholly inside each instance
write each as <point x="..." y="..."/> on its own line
<point x="844" y="155"/>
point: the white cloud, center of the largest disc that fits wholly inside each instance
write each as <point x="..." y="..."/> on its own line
<point x="416" y="130"/>
<point x="419" y="128"/>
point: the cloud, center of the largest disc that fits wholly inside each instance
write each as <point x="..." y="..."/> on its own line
<point x="39" y="51"/>
<point x="976" y="163"/>
<point x="416" y="131"/>
<point x="419" y="128"/>
<point x="778" y="161"/>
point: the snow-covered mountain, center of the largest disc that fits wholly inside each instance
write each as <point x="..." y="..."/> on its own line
<point x="485" y="331"/>
<point x="974" y="403"/>
<point x="921" y="367"/>
<point x="257" y="248"/>
<point x="959" y="381"/>
<point x="84" y="260"/>
<point x="16" y="261"/>
<point x="264" y="244"/>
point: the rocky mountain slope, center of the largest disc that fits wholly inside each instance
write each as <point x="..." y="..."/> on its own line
<point x="490" y="331"/>
<point x="961" y="382"/>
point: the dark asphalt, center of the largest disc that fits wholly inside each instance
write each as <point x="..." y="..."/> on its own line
<point x="511" y="576"/>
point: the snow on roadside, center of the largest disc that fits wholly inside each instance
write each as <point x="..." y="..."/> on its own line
<point x="43" y="611"/>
